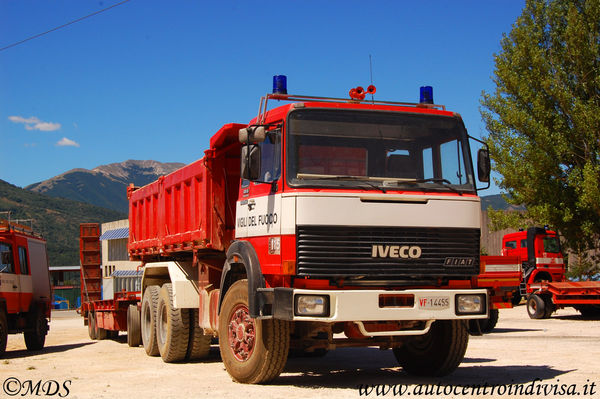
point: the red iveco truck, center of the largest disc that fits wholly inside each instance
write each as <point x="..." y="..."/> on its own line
<point x="25" y="294"/>
<point x="544" y="275"/>
<point x="323" y="223"/>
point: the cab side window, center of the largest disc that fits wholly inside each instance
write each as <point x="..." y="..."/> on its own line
<point x="23" y="260"/>
<point x="510" y="244"/>
<point x="6" y="259"/>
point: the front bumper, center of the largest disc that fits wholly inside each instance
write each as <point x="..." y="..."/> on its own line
<point x="367" y="305"/>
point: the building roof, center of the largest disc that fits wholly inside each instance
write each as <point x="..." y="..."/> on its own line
<point x="115" y="234"/>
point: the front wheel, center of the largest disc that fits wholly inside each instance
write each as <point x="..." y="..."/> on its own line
<point x="35" y="337"/>
<point x="437" y="353"/>
<point x="253" y="351"/>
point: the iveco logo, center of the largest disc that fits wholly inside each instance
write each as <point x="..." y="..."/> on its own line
<point x="396" y="251"/>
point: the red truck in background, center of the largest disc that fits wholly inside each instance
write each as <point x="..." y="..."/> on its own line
<point x="544" y="280"/>
<point x="323" y="223"/>
<point x="25" y="294"/>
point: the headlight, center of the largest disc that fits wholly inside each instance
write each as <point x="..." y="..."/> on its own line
<point x="470" y="304"/>
<point x="312" y="305"/>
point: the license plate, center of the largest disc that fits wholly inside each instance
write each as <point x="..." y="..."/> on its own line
<point x="434" y="302"/>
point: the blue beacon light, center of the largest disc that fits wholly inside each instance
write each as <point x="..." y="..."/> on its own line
<point x="279" y="84"/>
<point x="426" y="95"/>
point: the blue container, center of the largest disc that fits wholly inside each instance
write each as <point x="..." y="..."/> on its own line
<point x="279" y="84"/>
<point x="426" y="95"/>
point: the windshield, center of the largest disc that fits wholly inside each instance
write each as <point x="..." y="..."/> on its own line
<point x="378" y="150"/>
<point x="551" y="245"/>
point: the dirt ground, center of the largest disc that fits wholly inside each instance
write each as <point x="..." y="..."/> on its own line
<point x="558" y="357"/>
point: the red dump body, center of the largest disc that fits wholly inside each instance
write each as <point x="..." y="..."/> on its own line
<point x="192" y="208"/>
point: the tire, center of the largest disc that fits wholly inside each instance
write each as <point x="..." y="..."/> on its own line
<point x="487" y="325"/>
<point x="172" y="327"/>
<point x="134" y="333"/>
<point x="516" y="298"/>
<point x="101" y="333"/>
<point x="549" y="307"/>
<point x="199" y="345"/>
<point x="36" y="337"/>
<point x="536" y="307"/>
<point x="253" y="351"/>
<point x="437" y="353"/>
<point x="92" y="326"/>
<point x="148" y="320"/>
<point x="3" y="331"/>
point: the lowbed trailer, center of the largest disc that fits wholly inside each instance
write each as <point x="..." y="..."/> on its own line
<point x="321" y="216"/>
<point x="104" y="317"/>
<point x="549" y="296"/>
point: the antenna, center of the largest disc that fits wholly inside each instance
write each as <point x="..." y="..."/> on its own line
<point x="371" y="73"/>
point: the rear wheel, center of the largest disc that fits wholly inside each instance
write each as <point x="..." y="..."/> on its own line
<point x="134" y="334"/>
<point x="437" y="353"/>
<point x="36" y="337"/>
<point x="536" y="307"/>
<point x="253" y="351"/>
<point x="173" y="327"/>
<point x="101" y="333"/>
<point x="148" y="320"/>
<point x="92" y="325"/>
<point x="3" y="331"/>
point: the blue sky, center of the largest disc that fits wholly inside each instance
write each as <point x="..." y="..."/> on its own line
<point x="155" y="79"/>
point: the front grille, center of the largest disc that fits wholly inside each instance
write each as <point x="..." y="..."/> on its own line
<point x="337" y="252"/>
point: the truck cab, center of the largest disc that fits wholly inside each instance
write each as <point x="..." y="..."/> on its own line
<point x="25" y="294"/>
<point x="540" y="251"/>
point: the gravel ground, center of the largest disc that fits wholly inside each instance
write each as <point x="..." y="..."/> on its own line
<point x="558" y="357"/>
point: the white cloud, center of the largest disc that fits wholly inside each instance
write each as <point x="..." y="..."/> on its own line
<point x="34" y="123"/>
<point x="65" y="142"/>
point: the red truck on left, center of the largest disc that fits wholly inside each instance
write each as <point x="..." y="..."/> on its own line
<point x="25" y="294"/>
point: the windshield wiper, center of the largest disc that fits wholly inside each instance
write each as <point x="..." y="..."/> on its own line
<point x="360" y="179"/>
<point x="438" y="180"/>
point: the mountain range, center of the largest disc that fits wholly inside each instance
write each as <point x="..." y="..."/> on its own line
<point x="105" y="185"/>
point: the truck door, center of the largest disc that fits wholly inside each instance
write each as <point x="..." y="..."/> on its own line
<point x="9" y="281"/>
<point x="25" y="282"/>
<point x="259" y="207"/>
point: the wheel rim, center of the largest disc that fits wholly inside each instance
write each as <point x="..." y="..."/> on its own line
<point x="532" y="307"/>
<point x="241" y="333"/>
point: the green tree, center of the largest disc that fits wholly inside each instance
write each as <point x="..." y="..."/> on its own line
<point x="543" y="118"/>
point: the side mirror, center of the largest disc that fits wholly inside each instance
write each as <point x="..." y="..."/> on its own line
<point x="483" y="165"/>
<point x="256" y="134"/>
<point x="250" y="162"/>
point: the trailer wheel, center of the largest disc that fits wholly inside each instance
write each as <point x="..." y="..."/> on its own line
<point x="148" y="320"/>
<point x="437" y="353"/>
<point x="172" y="327"/>
<point x="536" y="307"/>
<point x="91" y="325"/>
<point x="253" y="351"/>
<point x="548" y="306"/>
<point x="3" y="331"/>
<point x="36" y="337"/>
<point x="101" y="333"/>
<point x="134" y="334"/>
<point x="199" y="345"/>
